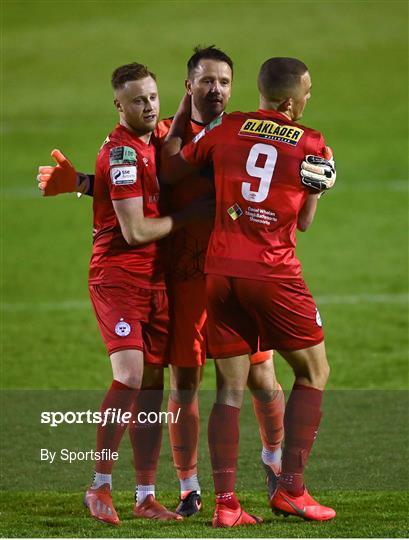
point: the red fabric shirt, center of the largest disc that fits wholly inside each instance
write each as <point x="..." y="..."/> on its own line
<point x="256" y="158"/>
<point x="187" y="247"/>
<point x="125" y="168"/>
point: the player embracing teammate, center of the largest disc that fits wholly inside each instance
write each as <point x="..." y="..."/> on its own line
<point x="255" y="292"/>
<point x="209" y="80"/>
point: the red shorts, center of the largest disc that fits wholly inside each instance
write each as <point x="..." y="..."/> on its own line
<point x="188" y="316"/>
<point x="131" y="317"/>
<point x="246" y="313"/>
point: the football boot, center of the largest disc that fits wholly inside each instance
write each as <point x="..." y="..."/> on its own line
<point x="150" y="508"/>
<point x="189" y="504"/>
<point x="100" y="506"/>
<point x="303" y="506"/>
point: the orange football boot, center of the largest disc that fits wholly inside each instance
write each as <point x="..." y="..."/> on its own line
<point x="150" y="508"/>
<point x="303" y="506"/>
<point x="100" y="506"/>
<point x="227" y="517"/>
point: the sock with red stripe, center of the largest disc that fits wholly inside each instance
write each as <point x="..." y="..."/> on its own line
<point x="119" y="397"/>
<point x="301" y="422"/>
<point x="228" y="499"/>
<point x="223" y="438"/>
<point x="146" y="435"/>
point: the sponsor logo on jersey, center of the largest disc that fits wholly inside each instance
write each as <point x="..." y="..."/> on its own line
<point x="123" y="176"/>
<point x="122" y="155"/>
<point x="235" y="211"/>
<point x="267" y="129"/>
<point x="122" y="328"/>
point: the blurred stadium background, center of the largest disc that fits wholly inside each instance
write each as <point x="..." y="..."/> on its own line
<point x="56" y="64"/>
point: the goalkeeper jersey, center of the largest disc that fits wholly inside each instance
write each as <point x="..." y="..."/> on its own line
<point x="256" y="158"/>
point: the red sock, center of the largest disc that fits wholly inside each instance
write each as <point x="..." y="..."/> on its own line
<point x="146" y="437"/>
<point x="119" y="396"/>
<point x="270" y="418"/>
<point x="223" y="438"/>
<point x="184" y="437"/>
<point x="301" y="421"/>
<point x="227" y="499"/>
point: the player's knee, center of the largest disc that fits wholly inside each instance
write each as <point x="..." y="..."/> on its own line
<point x="132" y="380"/>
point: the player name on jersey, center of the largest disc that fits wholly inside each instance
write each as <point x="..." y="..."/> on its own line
<point x="267" y="129"/>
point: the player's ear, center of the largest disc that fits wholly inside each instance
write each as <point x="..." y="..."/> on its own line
<point x="118" y="106"/>
<point x="285" y="105"/>
<point x="188" y="86"/>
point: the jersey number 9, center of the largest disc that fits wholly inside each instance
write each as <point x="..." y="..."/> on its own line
<point x="265" y="173"/>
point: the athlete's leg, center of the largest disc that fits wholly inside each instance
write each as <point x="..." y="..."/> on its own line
<point x="269" y="405"/>
<point x="127" y="370"/>
<point x="301" y="422"/>
<point x="223" y="437"/>
<point x="145" y="435"/>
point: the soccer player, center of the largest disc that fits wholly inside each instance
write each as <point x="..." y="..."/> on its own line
<point x="209" y="81"/>
<point x="210" y="73"/>
<point x="126" y="278"/>
<point x="255" y="292"/>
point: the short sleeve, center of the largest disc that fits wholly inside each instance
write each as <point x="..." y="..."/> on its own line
<point x="123" y="171"/>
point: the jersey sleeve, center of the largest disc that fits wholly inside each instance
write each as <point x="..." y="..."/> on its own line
<point x="199" y="151"/>
<point x="122" y="169"/>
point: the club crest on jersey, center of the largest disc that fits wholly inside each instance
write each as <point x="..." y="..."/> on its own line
<point x="123" y="176"/>
<point x="235" y="211"/>
<point x="122" y="328"/>
<point x="122" y="155"/>
<point x="267" y="129"/>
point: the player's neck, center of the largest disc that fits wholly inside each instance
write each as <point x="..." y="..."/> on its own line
<point x="279" y="107"/>
<point x="144" y="137"/>
<point x="201" y="118"/>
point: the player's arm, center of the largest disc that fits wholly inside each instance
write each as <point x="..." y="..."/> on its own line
<point x="138" y="229"/>
<point x="173" y="167"/>
<point x="63" y="178"/>
<point x="307" y="212"/>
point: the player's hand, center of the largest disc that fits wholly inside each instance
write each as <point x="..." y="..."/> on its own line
<point x="185" y="106"/>
<point x="62" y="178"/>
<point x="319" y="173"/>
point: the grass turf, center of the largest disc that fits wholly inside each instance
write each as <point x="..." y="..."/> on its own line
<point x="57" y="58"/>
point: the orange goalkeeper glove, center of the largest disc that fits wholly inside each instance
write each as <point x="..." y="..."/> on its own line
<point x="62" y="178"/>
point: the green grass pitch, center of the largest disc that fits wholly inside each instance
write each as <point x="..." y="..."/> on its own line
<point x="57" y="58"/>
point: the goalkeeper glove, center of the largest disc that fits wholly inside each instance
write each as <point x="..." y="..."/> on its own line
<point x="318" y="173"/>
<point x="62" y="178"/>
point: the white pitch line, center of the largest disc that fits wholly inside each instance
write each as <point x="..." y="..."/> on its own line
<point x="78" y="305"/>
<point x="32" y="192"/>
<point x="398" y="298"/>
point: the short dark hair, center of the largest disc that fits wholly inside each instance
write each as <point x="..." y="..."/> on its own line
<point x="130" y="72"/>
<point x="279" y="77"/>
<point x="207" y="53"/>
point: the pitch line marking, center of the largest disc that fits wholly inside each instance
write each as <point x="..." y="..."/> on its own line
<point x="78" y="305"/>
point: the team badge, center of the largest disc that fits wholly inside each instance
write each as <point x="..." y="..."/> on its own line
<point x="123" y="176"/>
<point x="122" y="328"/>
<point x="318" y="318"/>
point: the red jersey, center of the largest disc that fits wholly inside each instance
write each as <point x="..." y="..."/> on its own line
<point x="256" y="158"/>
<point x="125" y="168"/>
<point x="187" y="246"/>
